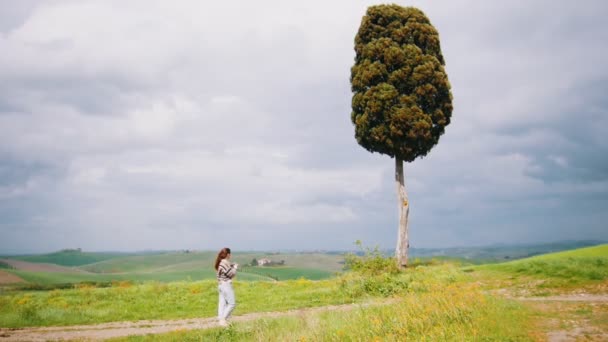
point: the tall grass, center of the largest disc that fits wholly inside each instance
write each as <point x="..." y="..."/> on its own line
<point x="124" y="301"/>
<point x="445" y="313"/>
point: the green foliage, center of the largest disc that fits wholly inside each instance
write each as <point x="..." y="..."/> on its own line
<point x="402" y="100"/>
<point x="373" y="274"/>
<point x="372" y="262"/>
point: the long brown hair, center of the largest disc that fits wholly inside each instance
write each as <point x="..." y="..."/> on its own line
<point x="221" y="255"/>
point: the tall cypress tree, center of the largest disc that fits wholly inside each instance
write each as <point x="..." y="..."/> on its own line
<point x="402" y="100"/>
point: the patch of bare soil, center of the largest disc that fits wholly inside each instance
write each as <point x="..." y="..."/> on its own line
<point x="121" y="329"/>
<point x="562" y="314"/>
<point x="9" y="278"/>
<point x="569" y="319"/>
<point x="40" y="267"/>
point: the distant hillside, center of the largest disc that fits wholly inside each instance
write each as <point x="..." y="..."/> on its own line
<point x="162" y="261"/>
<point x="162" y="266"/>
<point x="500" y="253"/>
<point x="68" y="257"/>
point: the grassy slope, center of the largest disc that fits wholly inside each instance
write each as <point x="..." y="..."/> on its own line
<point x="577" y="266"/>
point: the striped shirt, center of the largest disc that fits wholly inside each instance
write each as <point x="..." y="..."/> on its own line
<point x="225" y="271"/>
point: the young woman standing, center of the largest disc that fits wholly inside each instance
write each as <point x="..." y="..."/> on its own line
<point x="225" y="272"/>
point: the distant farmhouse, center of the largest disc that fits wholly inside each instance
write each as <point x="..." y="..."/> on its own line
<point x="266" y="262"/>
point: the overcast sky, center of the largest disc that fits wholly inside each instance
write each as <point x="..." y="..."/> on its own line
<point x="131" y="125"/>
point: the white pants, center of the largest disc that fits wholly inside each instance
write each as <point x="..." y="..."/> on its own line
<point x="227" y="301"/>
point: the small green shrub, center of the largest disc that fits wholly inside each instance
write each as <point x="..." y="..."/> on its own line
<point x="372" y="262"/>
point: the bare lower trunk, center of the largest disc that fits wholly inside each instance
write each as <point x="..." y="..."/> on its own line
<point x="404" y="209"/>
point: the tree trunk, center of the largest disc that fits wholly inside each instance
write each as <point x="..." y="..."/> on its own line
<point x="404" y="210"/>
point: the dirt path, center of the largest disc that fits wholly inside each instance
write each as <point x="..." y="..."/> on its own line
<point x="572" y="317"/>
<point x="122" y="329"/>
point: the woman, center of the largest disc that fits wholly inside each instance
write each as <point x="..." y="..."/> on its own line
<point x="225" y="272"/>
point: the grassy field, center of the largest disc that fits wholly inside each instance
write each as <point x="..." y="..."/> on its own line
<point x="439" y="303"/>
<point x="439" y="300"/>
<point x="286" y="273"/>
<point x="153" y="300"/>
<point x="50" y="278"/>
<point x="172" y="266"/>
<point x="188" y="261"/>
<point x="151" y="262"/>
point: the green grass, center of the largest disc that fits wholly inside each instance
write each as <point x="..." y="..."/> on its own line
<point x="127" y="301"/>
<point x="585" y="265"/>
<point x="286" y="273"/>
<point x="50" y="278"/>
<point x="68" y="258"/>
<point x="176" y="266"/>
<point x="151" y="262"/>
<point x="153" y="300"/>
<point x="433" y="301"/>
<point x="328" y="262"/>
<point x="447" y="313"/>
<point x="189" y="261"/>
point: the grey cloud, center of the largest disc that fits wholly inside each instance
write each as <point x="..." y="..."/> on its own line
<point x="16" y="13"/>
<point x="174" y="128"/>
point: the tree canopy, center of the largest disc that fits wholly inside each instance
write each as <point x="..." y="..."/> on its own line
<point x="402" y="100"/>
